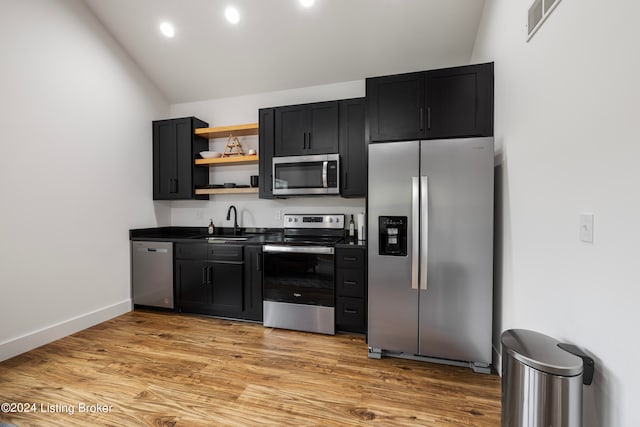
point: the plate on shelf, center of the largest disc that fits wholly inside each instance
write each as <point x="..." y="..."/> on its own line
<point x="210" y="154"/>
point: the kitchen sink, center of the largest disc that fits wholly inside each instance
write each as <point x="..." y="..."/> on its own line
<point x="220" y="238"/>
<point x="228" y="239"/>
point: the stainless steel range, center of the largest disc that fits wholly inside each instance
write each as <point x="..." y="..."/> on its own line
<point x="299" y="278"/>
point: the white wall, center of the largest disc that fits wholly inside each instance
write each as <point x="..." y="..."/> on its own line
<point x="75" y="171"/>
<point x="253" y="211"/>
<point x="566" y="127"/>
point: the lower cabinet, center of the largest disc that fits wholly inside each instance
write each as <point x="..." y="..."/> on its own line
<point x="215" y="279"/>
<point x="351" y="296"/>
<point x="252" y="283"/>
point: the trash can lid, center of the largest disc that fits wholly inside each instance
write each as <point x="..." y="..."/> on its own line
<point x="540" y="352"/>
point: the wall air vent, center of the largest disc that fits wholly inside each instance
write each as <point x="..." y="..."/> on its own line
<point x="538" y="13"/>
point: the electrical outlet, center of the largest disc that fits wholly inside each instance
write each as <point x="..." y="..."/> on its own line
<point x="199" y="215"/>
<point x="279" y="214"/>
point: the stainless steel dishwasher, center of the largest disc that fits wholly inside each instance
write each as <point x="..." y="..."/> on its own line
<point x="152" y="274"/>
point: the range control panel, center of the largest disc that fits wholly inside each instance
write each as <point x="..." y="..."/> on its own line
<point x="333" y="221"/>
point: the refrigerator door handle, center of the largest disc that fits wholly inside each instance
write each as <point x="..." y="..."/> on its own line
<point x="415" y="224"/>
<point x="424" y="229"/>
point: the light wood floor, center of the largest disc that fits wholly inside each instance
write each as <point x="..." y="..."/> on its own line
<point x="160" y="369"/>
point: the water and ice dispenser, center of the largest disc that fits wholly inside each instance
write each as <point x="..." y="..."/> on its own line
<point x="392" y="235"/>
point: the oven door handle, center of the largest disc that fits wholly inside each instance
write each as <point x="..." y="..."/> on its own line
<point x="298" y="249"/>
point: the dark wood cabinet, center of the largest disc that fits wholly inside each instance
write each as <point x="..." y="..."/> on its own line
<point x="351" y="289"/>
<point x="252" y="283"/>
<point x="353" y="168"/>
<point x="396" y="107"/>
<point x="175" y="148"/>
<point x="459" y="102"/>
<point x="306" y="129"/>
<point x="447" y="103"/>
<point x="209" y="279"/>
<point x="266" y="138"/>
<point x="193" y="291"/>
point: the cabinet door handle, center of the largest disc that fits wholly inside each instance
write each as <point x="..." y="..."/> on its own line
<point x="204" y="276"/>
<point x="350" y="311"/>
<point x="428" y="118"/>
<point x="346" y="180"/>
<point x="210" y="275"/>
<point x="421" y="117"/>
<point x="349" y="258"/>
<point x="350" y="282"/>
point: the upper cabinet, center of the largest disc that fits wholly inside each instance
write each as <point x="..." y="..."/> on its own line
<point x="318" y="128"/>
<point x="266" y="138"/>
<point x="447" y="103"/>
<point x="306" y="129"/>
<point x="175" y="147"/>
<point x="395" y="107"/>
<point x="353" y="156"/>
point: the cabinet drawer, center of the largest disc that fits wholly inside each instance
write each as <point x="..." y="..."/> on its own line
<point x="191" y="251"/>
<point x="350" y="258"/>
<point x="350" y="282"/>
<point x="350" y="314"/>
<point x="218" y="252"/>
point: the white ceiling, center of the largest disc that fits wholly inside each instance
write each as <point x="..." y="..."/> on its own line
<point x="280" y="45"/>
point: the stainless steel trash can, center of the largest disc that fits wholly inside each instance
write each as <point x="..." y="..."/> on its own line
<point x="541" y="382"/>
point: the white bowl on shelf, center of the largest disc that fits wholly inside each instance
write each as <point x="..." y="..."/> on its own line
<point x="210" y="154"/>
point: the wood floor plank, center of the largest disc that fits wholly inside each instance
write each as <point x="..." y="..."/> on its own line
<point x="163" y="369"/>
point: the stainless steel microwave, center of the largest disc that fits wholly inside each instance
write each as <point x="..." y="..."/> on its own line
<point x="300" y="175"/>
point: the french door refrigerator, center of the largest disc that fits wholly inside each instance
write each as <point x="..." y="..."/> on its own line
<point x="430" y="253"/>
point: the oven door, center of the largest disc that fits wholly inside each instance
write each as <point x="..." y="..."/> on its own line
<point x="296" y="175"/>
<point x="299" y="274"/>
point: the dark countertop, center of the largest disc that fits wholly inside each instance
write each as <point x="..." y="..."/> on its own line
<point x="256" y="236"/>
<point x="352" y="243"/>
<point x="199" y="234"/>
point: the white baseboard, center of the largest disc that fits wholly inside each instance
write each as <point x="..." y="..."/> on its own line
<point x="19" y="345"/>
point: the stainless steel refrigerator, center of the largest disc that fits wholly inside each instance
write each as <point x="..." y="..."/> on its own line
<point x="430" y="262"/>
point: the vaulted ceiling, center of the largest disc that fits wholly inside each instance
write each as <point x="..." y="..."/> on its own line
<point x="279" y="44"/>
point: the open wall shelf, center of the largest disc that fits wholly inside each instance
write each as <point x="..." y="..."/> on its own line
<point x="235" y="160"/>
<point x="225" y="131"/>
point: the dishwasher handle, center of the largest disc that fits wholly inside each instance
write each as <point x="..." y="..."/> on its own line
<point x="147" y="249"/>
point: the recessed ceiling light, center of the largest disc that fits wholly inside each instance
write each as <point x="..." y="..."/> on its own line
<point x="167" y="29"/>
<point x="232" y="14"/>
<point x="307" y="3"/>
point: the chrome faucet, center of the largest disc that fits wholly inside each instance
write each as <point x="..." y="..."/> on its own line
<point x="235" y="219"/>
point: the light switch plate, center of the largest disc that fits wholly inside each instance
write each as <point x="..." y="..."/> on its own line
<point x="586" y="227"/>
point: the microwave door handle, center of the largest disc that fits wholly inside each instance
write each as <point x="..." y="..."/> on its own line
<point x="325" y="165"/>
